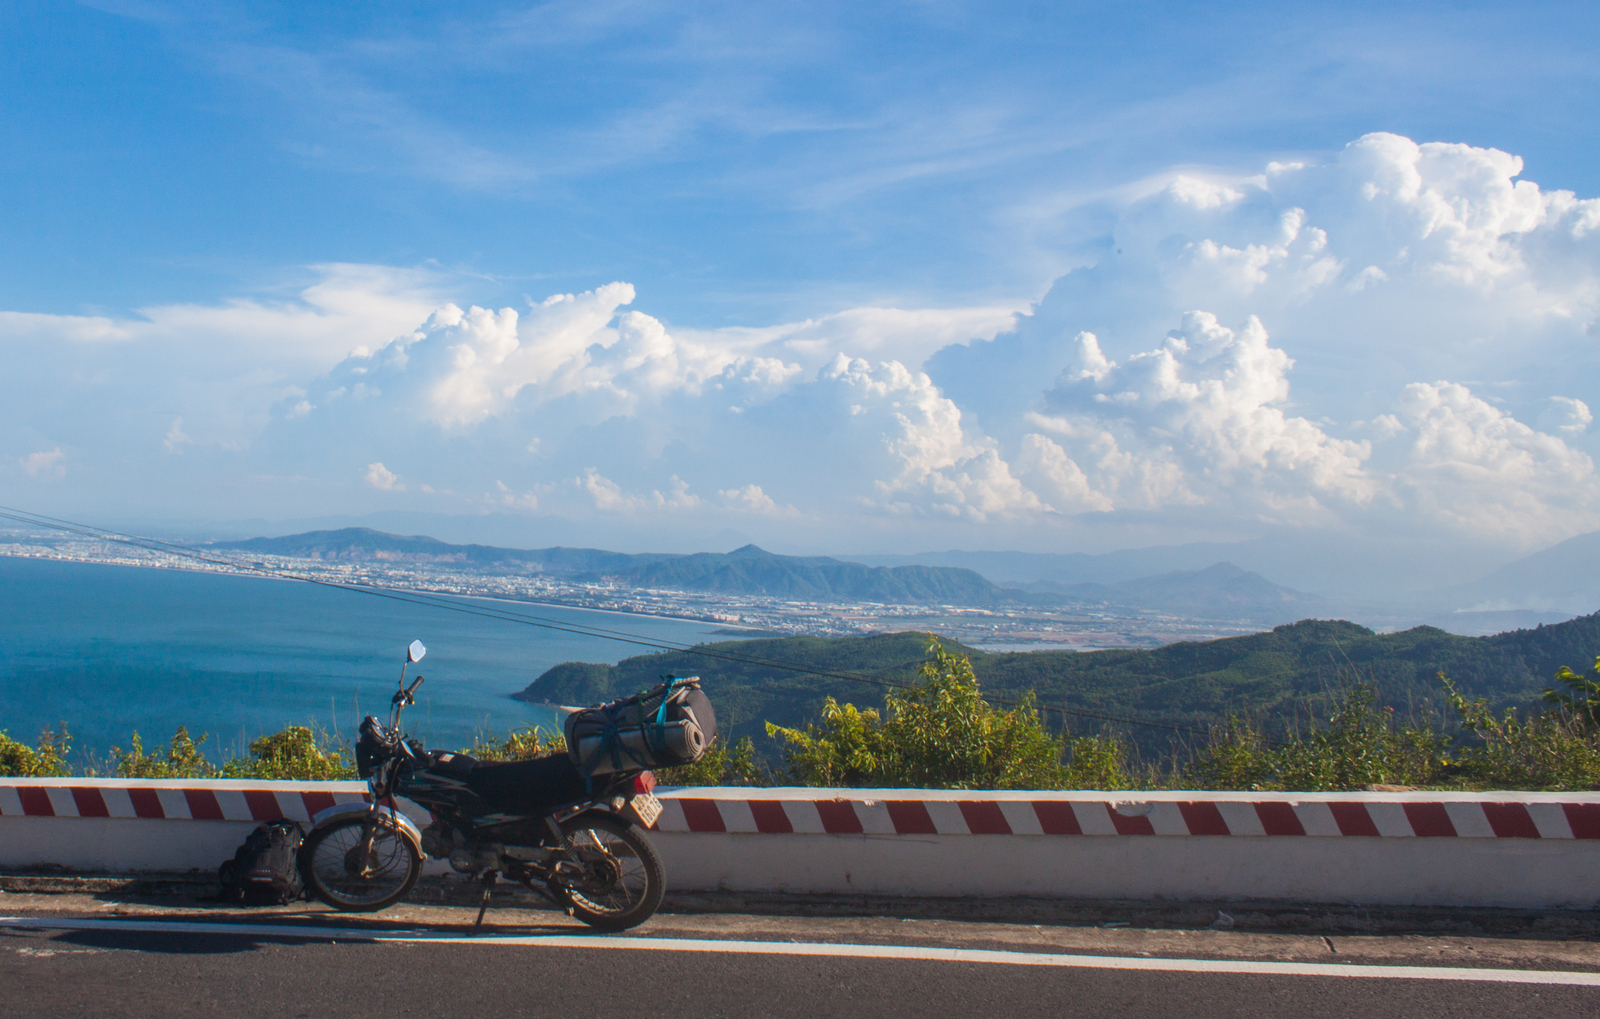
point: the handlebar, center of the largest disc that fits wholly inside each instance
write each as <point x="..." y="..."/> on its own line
<point x="404" y="697"/>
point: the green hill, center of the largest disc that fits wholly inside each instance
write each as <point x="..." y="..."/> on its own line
<point x="1288" y="671"/>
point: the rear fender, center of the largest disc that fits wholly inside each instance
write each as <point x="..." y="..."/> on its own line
<point x="342" y="811"/>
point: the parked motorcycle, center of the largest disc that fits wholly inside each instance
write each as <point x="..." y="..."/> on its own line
<point x="569" y="827"/>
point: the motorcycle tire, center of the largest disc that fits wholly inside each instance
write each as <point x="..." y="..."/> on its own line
<point x="624" y="879"/>
<point x="331" y="867"/>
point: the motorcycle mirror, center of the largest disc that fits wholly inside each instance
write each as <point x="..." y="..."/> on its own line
<point x="415" y="652"/>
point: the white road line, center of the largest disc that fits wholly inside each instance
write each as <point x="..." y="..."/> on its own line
<point x="823" y="950"/>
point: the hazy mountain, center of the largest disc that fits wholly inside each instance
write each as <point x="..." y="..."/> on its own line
<point x="748" y="570"/>
<point x="363" y="544"/>
<point x="1564" y="578"/>
<point x="752" y="570"/>
<point x="1220" y="591"/>
<point x="1066" y="568"/>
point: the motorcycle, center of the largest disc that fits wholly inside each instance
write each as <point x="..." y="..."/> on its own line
<point x="576" y="840"/>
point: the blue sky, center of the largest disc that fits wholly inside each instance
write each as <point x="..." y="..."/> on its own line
<point x="208" y="207"/>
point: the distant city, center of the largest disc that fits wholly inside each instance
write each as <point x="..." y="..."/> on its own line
<point x="1018" y="625"/>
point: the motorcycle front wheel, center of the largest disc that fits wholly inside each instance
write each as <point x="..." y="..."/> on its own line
<point x="353" y="873"/>
<point x="622" y="881"/>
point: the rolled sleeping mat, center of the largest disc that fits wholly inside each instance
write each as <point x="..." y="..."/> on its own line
<point x="681" y="742"/>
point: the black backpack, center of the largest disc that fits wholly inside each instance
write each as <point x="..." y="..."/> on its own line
<point x="265" y="871"/>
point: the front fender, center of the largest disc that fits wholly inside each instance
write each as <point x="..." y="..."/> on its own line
<point x="341" y="811"/>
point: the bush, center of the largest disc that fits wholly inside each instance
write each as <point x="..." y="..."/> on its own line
<point x="294" y="753"/>
<point x="521" y="744"/>
<point x="722" y="764"/>
<point x="1097" y="762"/>
<point x="1554" y="750"/>
<point x="182" y="759"/>
<point x="938" y="734"/>
<point x="1360" y="746"/>
<point x="47" y="760"/>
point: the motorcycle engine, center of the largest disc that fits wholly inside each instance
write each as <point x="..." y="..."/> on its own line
<point x="472" y="859"/>
<point x="439" y="840"/>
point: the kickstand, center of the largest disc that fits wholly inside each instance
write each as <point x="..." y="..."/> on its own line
<point x="488" y="881"/>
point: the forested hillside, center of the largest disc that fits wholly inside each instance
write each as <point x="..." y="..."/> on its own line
<point x="1281" y="674"/>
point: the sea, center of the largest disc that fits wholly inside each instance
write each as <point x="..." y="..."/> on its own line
<point x="109" y="650"/>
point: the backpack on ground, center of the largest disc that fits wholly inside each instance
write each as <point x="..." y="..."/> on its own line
<point x="265" y="871"/>
<point x="667" y="725"/>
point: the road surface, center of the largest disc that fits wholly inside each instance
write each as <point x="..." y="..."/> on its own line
<point x="67" y="956"/>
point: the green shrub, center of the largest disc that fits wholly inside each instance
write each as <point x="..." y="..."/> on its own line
<point x="1096" y="762"/>
<point x="1554" y="750"/>
<point x="294" y="753"/>
<point x="182" y="759"/>
<point x="1580" y="701"/>
<point x="722" y="764"/>
<point x="47" y="760"/>
<point x="1360" y="746"/>
<point x="521" y="744"/>
<point x="939" y="734"/>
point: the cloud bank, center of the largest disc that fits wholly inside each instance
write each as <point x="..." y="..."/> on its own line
<point x="1397" y="338"/>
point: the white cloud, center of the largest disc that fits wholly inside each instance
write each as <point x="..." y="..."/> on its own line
<point x="1468" y="464"/>
<point x="608" y="496"/>
<point x="1198" y="420"/>
<point x="1566" y="414"/>
<point x="383" y="479"/>
<point x="44" y="464"/>
<point x="1355" y="276"/>
<point x="751" y="499"/>
<point x="504" y="498"/>
<point x="941" y="471"/>
<point x="176" y="439"/>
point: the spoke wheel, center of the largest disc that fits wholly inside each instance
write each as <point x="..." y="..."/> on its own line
<point x="350" y="873"/>
<point x="622" y="878"/>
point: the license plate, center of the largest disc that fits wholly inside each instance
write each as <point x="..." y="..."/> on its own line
<point x="644" y="809"/>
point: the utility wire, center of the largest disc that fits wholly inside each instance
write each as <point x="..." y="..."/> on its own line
<point x="508" y="615"/>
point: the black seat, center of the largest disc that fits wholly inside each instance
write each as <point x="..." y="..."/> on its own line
<point x="533" y="788"/>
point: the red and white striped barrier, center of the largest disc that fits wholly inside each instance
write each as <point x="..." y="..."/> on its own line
<point x="914" y="812"/>
<point x="1478" y="849"/>
<point x="169" y="802"/>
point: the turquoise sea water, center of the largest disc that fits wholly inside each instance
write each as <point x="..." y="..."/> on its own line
<point x="111" y="649"/>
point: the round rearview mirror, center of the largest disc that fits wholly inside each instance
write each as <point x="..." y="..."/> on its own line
<point x="415" y="652"/>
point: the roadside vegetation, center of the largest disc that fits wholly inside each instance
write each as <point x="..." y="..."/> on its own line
<point x="939" y="731"/>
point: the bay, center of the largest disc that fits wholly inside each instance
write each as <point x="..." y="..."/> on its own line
<point x="112" y="649"/>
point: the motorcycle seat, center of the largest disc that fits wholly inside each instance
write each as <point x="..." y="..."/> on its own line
<point x="534" y="788"/>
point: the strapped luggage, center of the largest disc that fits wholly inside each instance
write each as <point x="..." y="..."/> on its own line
<point x="667" y="725"/>
<point x="265" y="871"/>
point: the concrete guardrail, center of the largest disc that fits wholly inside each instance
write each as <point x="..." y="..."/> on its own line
<point x="1538" y="850"/>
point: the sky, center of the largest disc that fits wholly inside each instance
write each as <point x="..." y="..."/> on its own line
<point x="827" y="277"/>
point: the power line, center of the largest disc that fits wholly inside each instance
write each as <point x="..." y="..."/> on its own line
<point x="431" y="600"/>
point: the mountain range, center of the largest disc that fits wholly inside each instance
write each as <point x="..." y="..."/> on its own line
<point x="748" y="570"/>
<point x="1187" y="580"/>
<point x="1219" y="591"/>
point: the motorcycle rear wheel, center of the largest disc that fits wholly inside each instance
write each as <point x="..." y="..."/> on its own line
<point x="624" y="877"/>
<point x="330" y="862"/>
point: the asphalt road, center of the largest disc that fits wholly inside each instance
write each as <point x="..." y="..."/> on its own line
<point x="270" y="971"/>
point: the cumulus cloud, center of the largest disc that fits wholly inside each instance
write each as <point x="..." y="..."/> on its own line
<point x="1567" y="415"/>
<point x="1359" y="277"/>
<point x="44" y="464"/>
<point x="608" y="496"/>
<point x="1468" y="464"/>
<point x="383" y="479"/>
<point x="939" y="468"/>
<point x="751" y="499"/>
<point x="175" y="439"/>
<point x="1199" y="419"/>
